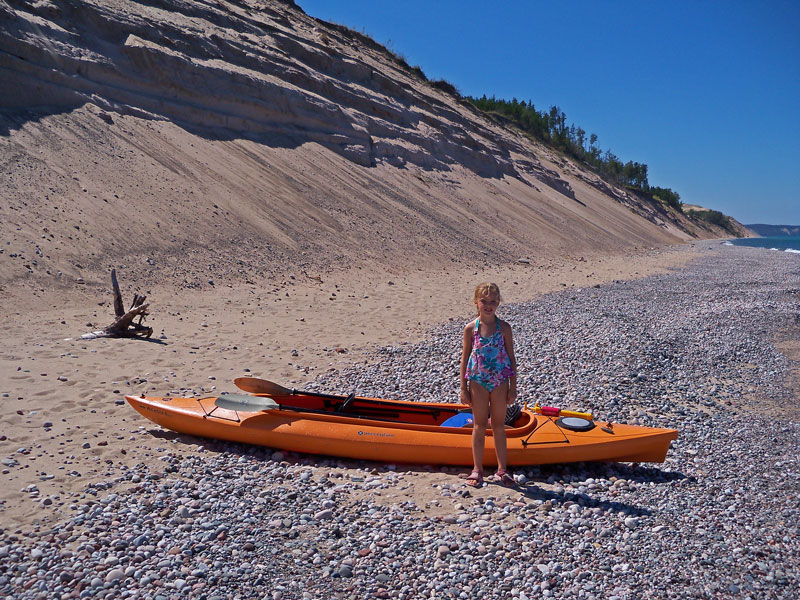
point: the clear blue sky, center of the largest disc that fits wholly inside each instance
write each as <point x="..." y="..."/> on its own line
<point x="706" y="93"/>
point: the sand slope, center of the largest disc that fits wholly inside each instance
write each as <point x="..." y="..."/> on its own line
<point x="189" y="143"/>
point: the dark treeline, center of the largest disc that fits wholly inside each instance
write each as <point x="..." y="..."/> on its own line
<point x="667" y="196"/>
<point x="551" y="127"/>
<point x="714" y="217"/>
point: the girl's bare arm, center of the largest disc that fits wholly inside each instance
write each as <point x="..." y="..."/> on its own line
<point x="508" y="339"/>
<point x="466" y="350"/>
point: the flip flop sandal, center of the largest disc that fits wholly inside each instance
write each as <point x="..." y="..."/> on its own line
<point x="504" y="478"/>
<point x="475" y="479"/>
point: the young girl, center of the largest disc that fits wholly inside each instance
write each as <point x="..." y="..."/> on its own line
<point x="488" y="380"/>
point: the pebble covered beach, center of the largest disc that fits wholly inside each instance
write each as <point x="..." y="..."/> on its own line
<point x="694" y="349"/>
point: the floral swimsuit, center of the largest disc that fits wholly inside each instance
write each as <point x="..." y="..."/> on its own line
<point x="489" y="364"/>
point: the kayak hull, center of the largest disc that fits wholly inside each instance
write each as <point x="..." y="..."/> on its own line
<point x="532" y="440"/>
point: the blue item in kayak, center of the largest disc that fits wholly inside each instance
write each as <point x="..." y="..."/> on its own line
<point x="460" y="420"/>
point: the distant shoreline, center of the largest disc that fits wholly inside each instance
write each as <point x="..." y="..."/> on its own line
<point x="783" y="243"/>
<point x="774" y="230"/>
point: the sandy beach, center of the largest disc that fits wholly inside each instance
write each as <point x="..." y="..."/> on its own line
<point x="81" y="464"/>
<point x="288" y="331"/>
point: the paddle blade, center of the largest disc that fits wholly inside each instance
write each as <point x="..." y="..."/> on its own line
<point x="245" y="403"/>
<point x="254" y="385"/>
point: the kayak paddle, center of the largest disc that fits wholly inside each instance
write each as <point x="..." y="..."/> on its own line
<point x="254" y="385"/>
<point x="245" y="403"/>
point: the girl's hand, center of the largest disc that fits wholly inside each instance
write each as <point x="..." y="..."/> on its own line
<point x="511" y="397"/>
<point x="466" y="397"/>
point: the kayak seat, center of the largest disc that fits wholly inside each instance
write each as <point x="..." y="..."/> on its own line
<point x="512" y="414"/>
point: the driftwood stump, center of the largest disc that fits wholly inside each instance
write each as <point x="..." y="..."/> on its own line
<point x="124" y="326"/>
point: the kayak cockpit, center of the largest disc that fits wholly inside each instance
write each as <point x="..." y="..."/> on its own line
<point x="381" y="412"/>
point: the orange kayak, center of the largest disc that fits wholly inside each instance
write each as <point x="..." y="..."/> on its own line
<point x="397" y="431"/>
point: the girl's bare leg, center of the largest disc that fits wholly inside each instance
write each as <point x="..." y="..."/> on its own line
<point x="497" y="407"/>
<point x="480" y="418"/>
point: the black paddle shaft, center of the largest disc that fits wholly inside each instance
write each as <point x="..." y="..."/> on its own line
<point x="347" y="400"/>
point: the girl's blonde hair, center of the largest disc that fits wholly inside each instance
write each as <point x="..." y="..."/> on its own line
<point x="486" y="289"/>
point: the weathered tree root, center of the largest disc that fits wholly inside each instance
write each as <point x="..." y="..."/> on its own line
<point x="124" y="326"/>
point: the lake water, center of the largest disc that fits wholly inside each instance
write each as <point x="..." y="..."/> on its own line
<point x="786" y="243"/>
